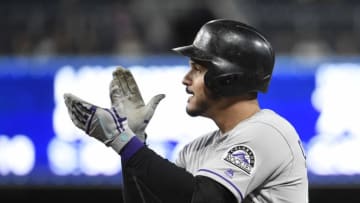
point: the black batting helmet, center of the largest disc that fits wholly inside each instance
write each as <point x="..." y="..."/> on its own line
<point x="238" y="57"/>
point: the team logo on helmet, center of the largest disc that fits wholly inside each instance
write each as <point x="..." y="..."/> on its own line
<point x="242" y="157"/>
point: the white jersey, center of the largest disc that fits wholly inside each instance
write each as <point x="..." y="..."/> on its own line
<point x="260" y="160"/>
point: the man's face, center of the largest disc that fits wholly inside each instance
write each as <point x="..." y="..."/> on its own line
<point x="199" y="101"/>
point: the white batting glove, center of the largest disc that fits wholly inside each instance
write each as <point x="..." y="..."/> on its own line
<point x="125" y="95"/>
<point x="106" y="125"/>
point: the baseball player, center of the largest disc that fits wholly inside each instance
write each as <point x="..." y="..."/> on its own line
<point x="254" y="156"/>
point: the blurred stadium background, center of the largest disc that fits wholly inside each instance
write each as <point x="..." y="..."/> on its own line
<point x="136" y="27"/>
<point x="310" y="30"/>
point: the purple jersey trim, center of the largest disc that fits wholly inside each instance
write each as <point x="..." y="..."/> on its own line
<point x="130" y="149"/>
<point x="220" y="176"/>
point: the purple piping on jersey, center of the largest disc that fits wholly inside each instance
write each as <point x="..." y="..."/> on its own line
<point x="130" y="149"/>
<point x="220" y="176"/>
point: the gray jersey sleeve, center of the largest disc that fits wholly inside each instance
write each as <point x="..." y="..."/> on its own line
<point x="191" y="156"/>
<point x="256" y="161"/>
<point x="242" y="165"/>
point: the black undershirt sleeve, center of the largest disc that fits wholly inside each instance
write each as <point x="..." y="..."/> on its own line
<point x="209" y="191"/>
<point x="147" y="177"/>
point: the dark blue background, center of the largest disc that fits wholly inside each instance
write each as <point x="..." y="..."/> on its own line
<point x="27" y="104"/>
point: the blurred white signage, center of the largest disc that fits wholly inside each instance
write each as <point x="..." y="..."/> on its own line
<point x="336" y="148"/>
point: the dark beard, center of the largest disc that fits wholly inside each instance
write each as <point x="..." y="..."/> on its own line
<point x="203" y="106"/>
<point x="200" y="111"/>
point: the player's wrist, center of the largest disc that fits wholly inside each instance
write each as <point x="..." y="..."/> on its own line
<point x="141" y="136"/>
<point x="134" y="145"/>
<point x="118" y="142"/>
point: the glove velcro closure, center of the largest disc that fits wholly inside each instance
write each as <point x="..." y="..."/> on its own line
<point x="118" y="142"/>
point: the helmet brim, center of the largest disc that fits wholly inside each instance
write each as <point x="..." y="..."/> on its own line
<point x="193" y="52"/>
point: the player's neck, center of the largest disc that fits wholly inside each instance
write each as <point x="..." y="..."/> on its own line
<point x="227" y="118"/>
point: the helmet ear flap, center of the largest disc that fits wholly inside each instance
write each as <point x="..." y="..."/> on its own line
<point x="223" y="84"/>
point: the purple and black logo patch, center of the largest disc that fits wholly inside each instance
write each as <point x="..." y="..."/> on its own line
<point x="242" y="157"/>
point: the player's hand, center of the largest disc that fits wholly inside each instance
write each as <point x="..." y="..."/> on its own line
<point x="125" y="95"/>
<point x="106" y="125"/>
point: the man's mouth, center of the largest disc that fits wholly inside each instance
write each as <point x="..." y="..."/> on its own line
<point x="189" y="91"/>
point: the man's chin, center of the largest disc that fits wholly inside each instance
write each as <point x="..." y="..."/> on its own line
<point x="192" y="112"/>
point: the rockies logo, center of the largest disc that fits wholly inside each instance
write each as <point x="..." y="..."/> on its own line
<point x="242" y="157"/>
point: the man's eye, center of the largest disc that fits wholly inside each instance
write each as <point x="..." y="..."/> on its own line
<point x="197" y="68"/>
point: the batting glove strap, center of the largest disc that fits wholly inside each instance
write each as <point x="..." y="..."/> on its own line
<point x="119" y="142"/>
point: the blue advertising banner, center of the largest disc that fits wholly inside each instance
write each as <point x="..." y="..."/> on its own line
<point x="39" y="145"/>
